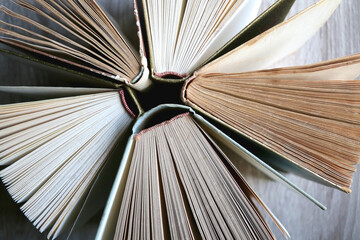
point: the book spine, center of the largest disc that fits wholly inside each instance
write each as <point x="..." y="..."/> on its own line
<point x="139" y="33"/>
<point x="124" y="102"/>
<point x="170" y="75"/>
<point x="143" y="82"/>
<point x="184" y="87"/>
<point x="160" y="124"/>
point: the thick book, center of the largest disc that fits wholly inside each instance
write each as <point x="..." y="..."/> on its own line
<point x="200" y="32"/>
<point x="175" y="181"/>
<point x="81" y="39"/>
<point x="175" y="164"/>
<point x="55" y="150"/>
<point x="306" y="114"/>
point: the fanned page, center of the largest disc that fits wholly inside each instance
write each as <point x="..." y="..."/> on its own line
<point x="306" y="114"/>
<point x="54" y="150"/>
<point x="180" y="186"/>
<point x="78" y="33"/>
<point x="183" y="34"/>
<point x="272" y="16"/>
<point x="51" y="92"/>
<point x="347" y="68"/>
<point x="274" y="44"/>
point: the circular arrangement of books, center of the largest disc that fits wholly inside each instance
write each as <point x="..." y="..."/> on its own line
<point x="154" y="133"/>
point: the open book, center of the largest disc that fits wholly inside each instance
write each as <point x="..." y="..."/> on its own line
<point x="55" y="150"/>
<point x="309" y="115"/>
<point x="175" y="181"/>
<point x="80" y="39"/>
<point x="174" y="171"/>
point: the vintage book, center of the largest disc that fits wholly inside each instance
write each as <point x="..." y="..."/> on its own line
<point x="80" y="39"/>
<point x="55" y="149"/>
<point x="181" y="186"/>
<point x="198" y="32"/>
<point x="175" y="181"/>
<point x="308" y="115"/>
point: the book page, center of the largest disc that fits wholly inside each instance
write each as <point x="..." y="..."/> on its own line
<point x="179" y="186"/>
<point x="183" y="34"/>
<point x="79" y="34"/>
<point x="311" y="122"/>
<point x="284" y="38"/>
<point x="53" y="151"/>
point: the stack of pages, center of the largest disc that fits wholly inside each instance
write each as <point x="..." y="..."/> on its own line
<point x="164" y="171"/>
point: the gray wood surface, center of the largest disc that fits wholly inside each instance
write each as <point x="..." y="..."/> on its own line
<point x="339" y="37"/>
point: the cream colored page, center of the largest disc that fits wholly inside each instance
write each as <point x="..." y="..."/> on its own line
<point x="275" y="43"/>
<point x="345" y="68"/>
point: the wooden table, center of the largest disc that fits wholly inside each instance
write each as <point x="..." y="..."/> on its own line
<point x="339" y="37"/>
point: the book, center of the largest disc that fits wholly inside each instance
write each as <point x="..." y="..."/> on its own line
<point x="54" y="150"/>
<point x="218" y="69"/>
<point x="81" y="39"/>
<point x="306" y="114"/>
<point x="162" y="200"/>
<point x="195" y="30"/>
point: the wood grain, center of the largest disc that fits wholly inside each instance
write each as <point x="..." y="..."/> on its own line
<point x="339" y="37"/>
